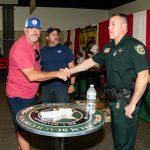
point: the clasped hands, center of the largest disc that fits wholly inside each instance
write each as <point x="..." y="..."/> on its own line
<point x="64" y="74"/>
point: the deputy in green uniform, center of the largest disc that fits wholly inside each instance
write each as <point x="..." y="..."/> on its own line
<point x="126" y="61"/>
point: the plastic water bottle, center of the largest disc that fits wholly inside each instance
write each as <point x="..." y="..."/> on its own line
<point x="91" y="100"/>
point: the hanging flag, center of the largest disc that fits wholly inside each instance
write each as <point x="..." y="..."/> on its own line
<point x="32" y="6"/>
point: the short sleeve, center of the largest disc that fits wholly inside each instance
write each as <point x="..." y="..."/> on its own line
<point x="23" y="57"/>
<point x="70" y="56"/>
<point x="100" y="57"/>
<point x="139" y="57"/>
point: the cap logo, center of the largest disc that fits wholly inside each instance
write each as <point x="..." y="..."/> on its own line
<point x="34" y="22"/>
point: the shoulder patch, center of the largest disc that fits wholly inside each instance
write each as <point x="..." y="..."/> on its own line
<point x="140" y="49"/>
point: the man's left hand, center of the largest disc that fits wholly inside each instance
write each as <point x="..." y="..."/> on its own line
<point x="129" y="109"/>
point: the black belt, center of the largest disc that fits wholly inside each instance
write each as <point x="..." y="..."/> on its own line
<point x="115" y="94"/>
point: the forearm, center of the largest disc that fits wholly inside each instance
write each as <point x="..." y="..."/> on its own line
<point x="42" y="76"/>
<point x="83" y="66"/>
<point x="72" y="80"/>
<point x="140" y="87"/>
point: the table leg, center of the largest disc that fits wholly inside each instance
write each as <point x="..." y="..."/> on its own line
<point x="59" y="145"/>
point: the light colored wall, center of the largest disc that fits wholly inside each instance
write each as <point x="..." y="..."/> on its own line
<point x="133" y="7"/>
<point x="0" y="17"/>
<point x="68" y="18"/>
<point x="42" y="37"/>
<point x="1" y="33"/>
<point x="63" y="18"/>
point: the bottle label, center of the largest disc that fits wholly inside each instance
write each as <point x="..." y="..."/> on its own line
<point x="91" y="108"/>
<point x="91" y="96"/>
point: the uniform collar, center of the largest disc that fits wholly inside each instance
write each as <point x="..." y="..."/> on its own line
<point x="125" y="37"/>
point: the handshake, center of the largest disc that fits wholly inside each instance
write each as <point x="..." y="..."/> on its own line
<point x="64" y="74"/>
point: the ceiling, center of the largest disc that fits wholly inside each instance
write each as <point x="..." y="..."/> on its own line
<point x="85" y="4"/>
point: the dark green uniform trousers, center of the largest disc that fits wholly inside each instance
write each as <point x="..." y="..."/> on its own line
<point x="124" y="129"/>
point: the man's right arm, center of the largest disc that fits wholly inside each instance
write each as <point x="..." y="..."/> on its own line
<point x="33" y="75"/>
<point x="83" y="66"/>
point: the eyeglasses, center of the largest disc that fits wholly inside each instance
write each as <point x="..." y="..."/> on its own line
<point x="37" y="55"/>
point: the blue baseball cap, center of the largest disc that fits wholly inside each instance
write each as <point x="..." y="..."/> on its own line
<point x="33" y="23"/>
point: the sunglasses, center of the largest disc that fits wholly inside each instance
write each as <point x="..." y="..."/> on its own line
<point x="37" y="55"/>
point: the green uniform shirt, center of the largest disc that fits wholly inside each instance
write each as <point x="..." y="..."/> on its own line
<point x="123" y="61"/>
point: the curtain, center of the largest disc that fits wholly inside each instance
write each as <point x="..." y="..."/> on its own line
<point x="103" y="39"/>
<point x="130" y="24"/>
<point x="148" y="34"/>
<point x="72" y="36"/>
<point x="141" y="31"/>
<point x="103" y="34"/>
<point x="139" y="26"/>
<point x="65" y="35"/>
<point x="68" y="35"/>
<point x="76" y="41"/>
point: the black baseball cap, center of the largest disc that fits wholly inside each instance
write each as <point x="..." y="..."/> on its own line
<point x="50" y="30"/>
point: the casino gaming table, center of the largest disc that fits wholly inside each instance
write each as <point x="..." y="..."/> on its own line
<point x="81" y="123"/>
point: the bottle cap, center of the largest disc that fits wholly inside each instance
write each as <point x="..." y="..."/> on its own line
<point x="91" y="85"/>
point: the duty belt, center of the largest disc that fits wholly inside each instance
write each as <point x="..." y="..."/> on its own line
<point x="115" y="94"/>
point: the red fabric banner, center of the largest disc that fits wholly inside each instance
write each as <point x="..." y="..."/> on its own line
<point x="148" y="34"/>
<point x="68" y="35"/>
<point x="76" y="41"/>
<point x="103" y="34"/>
<point x="130" y="24"/>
